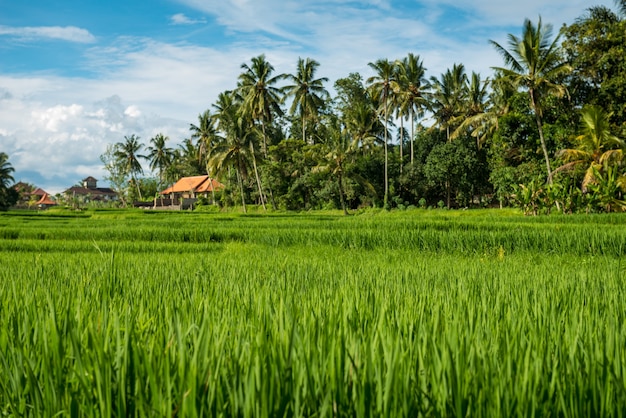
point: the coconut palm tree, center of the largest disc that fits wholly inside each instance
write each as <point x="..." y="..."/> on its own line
<point x="8" y="195"/>
<point x="307" y="91"/>
<point x="535" y="64"/>
<point x="447" y="97"/>
<point x="362" y="125"/>
<point x="482" y="109"/>
<point x="411" y="90"/>
<point x="261" y="98"/>
<point x="127" y="154"/>
<point x="159" y="155"/>
<point x="205" y="134"/>
<point x="383" y="84"/>
<point x="6" y="179"/>
<point x="237" y="145"/>
<point x="597" y="148"/>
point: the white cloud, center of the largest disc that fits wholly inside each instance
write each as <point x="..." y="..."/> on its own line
<point x="66" y="33"/>
<point x="132" y="111"/>
<point x="181" y="19"/>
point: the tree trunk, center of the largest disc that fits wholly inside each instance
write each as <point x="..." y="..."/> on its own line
<point x="386" y="198"/>
<point x="544" y="148"/>
<point x="401" y="143"/>
<point x="342" y="198"/>
<point x="138" y="189"/>
<point x="264" y="139"/>
<point x="412" y="133"/>
<point x="240" y="181"/>
<point x="258" y="179"/>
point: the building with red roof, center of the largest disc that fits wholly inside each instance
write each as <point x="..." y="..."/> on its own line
<point x="187" y="190"/>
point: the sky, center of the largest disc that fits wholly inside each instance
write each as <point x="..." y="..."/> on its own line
<point x="79" y="75"/>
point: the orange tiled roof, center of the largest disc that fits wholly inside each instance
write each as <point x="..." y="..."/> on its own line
<point x="45" y="200"/>
<point x="197" y="184"/>
<point x="209" y="185"/>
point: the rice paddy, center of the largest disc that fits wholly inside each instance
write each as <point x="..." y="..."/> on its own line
<point x="416" y="313"/>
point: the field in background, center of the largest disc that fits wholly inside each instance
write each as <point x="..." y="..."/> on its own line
<point x="411" y="313"/>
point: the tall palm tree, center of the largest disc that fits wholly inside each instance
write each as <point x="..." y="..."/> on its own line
<point x="159" y="155"/>
<point x="261" y="98"/>
<point x="383" y="84"/>
<point x="412" y="84"/>
<point x="127" y="154"/>
<point x="205" y="134"/>
<point x="237" y="148"/>
<point x="8" y="195"/>
<point x="482" y="109"/>
<point x="448" y="96"/>
<point x="307" y="91"/>
<point x="596" y="147"/>
<point x="535" y="64"/>
<point x="6" y="178"/>
<point x="361" y="125"/>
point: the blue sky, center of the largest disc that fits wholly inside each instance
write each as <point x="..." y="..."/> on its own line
<point x="77" y="75"/>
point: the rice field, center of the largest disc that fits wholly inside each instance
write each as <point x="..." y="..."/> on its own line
<point x="416" y="313"/>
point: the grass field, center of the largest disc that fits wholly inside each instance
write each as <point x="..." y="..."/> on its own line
<point x="416" y="313"/>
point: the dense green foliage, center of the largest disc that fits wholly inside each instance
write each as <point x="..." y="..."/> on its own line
<point x="431" y="313"/>
<point x="8" y="195"/>
<point x="401" y="138"/>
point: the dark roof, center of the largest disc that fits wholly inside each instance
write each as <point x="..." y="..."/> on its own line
<point x="89" y="179"/>
<point x="94" y="192"/>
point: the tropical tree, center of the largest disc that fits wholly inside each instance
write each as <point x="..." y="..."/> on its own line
<point x="483" y="108"/>
<point x="382" y="85"/>
<point x="261" y="97"/>
<point x="361" y="124"/>
<point x="127" y="154"/>
<point x="307" y="91"/>
<point x="594" y="45"/>
<point x="596" y="149"/>
<point x="447" y="97"/>
<point x="159" y="155"/>
<point x="411" y="84"/>
<point x="237" y="145"/>
<point x="6" y="179"/>
<point x="205" y="134"/>
<point x="8" y="195"/>
<point x="535" y="64"/>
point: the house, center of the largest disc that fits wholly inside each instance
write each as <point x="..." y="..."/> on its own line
<point x="89" y="191"/>
<point x="31" y="196"/>
<point x="45" y="202"/>
<point x="185" y="192"/>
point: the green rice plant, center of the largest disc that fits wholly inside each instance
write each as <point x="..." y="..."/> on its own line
<point x="295" y="315"/>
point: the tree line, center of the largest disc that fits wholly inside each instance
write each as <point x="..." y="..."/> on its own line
<point x="543" y="132"/>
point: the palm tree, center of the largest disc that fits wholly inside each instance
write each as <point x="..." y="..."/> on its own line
<point x="159" y="155"/>
<point x="361" y="124"/>
<point x="596" y="147"/>
<point x="482" y="109"/>
<point x="307" y="91"/>
<point x="261" y="99"/>
<point x="535" y="64"/>
<point x="127" y="155"/>
<point x="205" y="134"/>
<point x="8" y="195"/>
<point x="236" y="149"/>
<point x="6" y="179"/>
<point x="448" y="96"/>
<point x="411" y="86"/>
<point x="383" y="84"/>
